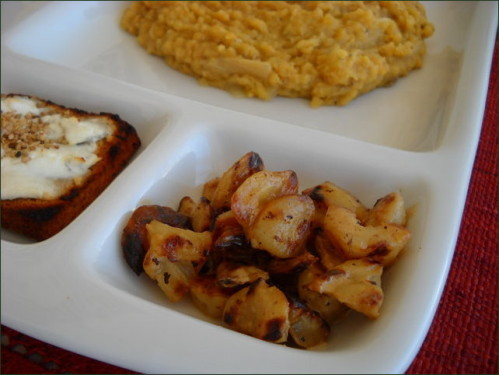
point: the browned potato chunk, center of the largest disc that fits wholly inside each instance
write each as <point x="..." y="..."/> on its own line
<point x="326" y="305"/>
<point x="134" y="240"/>
<point x="259" y="310"/>
<point x="231" y="274"/>
<point x="227" y="231"/>
<point x="172" y="277"/>
<point x="328" y="194"/>
<point x="247" y="165"/>
<point x="282" y="226"/>
<point x="209" y="188"/>
<point x="186" y="206"/>
<point x="291" y="265"/>
<point x="389" y="209"/>
<point x="306" y="327"/>
<point x="208" y="296"/>
<point x="174" y="256"/>
<point x="356" y="283"/>
<point x="179" y="244"/>
<point x="329" y="256"/>
<point x="382" y="242"/>
<point x="201" y="213"/>
<point x="258" y="190"/>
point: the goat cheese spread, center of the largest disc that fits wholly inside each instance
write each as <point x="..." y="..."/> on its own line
<point x="44" y="152"/>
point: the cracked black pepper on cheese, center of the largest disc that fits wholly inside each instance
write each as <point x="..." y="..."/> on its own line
<point x="55" y="161"/>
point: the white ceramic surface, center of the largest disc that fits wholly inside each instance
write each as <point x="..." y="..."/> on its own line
<point x="75" y="291"/>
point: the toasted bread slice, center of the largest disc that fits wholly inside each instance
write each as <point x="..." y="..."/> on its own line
<point x="56" y="161"/>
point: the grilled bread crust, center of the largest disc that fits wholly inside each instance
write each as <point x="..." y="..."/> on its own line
<point x="43" y="218"/>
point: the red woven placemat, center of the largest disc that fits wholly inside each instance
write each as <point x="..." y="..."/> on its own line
<point x="463" y="336"/>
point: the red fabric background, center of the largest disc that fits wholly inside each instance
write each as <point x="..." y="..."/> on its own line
<point x="463" y="337"/>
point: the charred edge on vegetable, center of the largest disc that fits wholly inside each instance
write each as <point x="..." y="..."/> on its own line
<point x="316" y="194"/>
<point x="228" y="318"/>
<point x="232" y="240"/>
<point x="133" y="251"/>
<point x="172" y="244"/>
<point x="255" y="161"/>
<point x="380" y="251"/>
<point x="336" y="272"/>
<point x="252" y="287"/>
<point x="273" y="329"/>
<point x="166" y="277"/>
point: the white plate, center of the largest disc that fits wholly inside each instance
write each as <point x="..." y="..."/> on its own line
<point x="75" y="291"/>
<point x="407" y="115"/>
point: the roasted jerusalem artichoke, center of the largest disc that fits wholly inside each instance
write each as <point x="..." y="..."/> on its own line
<point x="266" y="260"/>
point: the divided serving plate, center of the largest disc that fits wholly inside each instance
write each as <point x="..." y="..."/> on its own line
<point x="419" y="137"/>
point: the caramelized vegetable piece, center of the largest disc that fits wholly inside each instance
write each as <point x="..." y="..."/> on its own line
<point x="291" y="265"/>
<point x="306" y="327"/>
<point x="270" y="262"/>
<point x="201" y="213"/>
<point x="282" y="226"/>
<point x="258" y="190"/>
<point x="389" y="209"/>
<point x="134" y="240"/>
<point x="259" y="310"/>
<point x="247" y="165"/>
<point x="174" y="257"/>
<point x="328" y="194"/>
<point x="231" y="274"/>
<point x="208" y="296"/>
<point x="326" y="305"/>
<point x="227" y="231"/>
<point x="356" y="283"/>
<point x="329" y="256"/>
<point x="209" y="188"/>
<point x="382" y="242"/>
